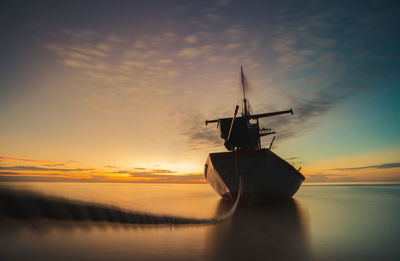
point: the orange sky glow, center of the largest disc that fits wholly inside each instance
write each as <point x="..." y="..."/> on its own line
<point x="22" y="169"/>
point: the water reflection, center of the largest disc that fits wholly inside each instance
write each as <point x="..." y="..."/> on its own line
<point x="275" y="230"/>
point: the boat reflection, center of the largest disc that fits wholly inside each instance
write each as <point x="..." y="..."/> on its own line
<point x="274" y="230"/>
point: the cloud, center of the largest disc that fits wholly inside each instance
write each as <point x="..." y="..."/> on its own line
<point x="165" y="61"/>
<point x="317" y="178"/>
<point x="14" y="159"/>
<point x="191" y="53"/>
<point x="305" y="50"/>
<point x="305" y="110"/>
<point x="162" y="175"/>
<point x="161" y="65"/>
<point x="144" y="172"/>
<point x="139" y="44"/>
<point x="104" y="47"/>
<point x="115" y="38"/>
<point x="80" y="35"/>
<point x="110" y="71"/>
<point x="233" y="46"/>
<point x="292" y="158"/>
<point x="54" y="165"/>
<point x="170" y="35"/>
<point x="88" y="51"/>
<point x="36" y="168"/>
<point x="379" y="166"/>
<point x="191" y="39"/>
<point x="329" y="178"/>
<point x="198" y="135"/>
<point x="9" y="173"/>
<point x="287" y="126"/>
<point x="203" y="137"/>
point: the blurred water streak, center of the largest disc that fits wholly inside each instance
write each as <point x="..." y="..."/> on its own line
<point x="320" y="223"/>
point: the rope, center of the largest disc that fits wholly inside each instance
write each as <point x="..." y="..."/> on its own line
<point x="30" y="206"/>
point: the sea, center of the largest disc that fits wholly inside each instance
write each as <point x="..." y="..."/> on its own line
<point x="322" y="222"/>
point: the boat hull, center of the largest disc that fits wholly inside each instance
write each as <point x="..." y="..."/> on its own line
<point x="264" y="175"/>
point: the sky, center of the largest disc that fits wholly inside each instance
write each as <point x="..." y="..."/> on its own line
<point x="118" y="91"/>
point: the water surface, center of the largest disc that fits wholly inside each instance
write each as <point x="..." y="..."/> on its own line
<point x="320" y="223"/>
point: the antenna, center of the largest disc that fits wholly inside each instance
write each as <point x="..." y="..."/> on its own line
<point x="241" y="73"/>
<point x="244" y="93"/>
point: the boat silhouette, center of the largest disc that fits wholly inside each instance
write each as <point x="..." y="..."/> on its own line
<point x="263" y="173"/>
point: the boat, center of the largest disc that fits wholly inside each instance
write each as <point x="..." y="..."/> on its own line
<point x="247" y="168"/>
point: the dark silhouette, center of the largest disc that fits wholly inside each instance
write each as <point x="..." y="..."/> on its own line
<point x="28" y="206"/>
<point x="264" y="173"/>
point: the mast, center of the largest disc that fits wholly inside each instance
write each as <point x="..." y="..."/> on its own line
<point x="242" y="133"/>
<point x="246" y="113"/>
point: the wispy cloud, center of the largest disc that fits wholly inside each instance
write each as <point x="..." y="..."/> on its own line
<point x="330" y="178"/>
<point x="191" y="39"/>
<point x="162" y="175"/>
<point x="379" y="166"/>
<point x="328" y="70"/>
<point x="37" y="168"/>
<point x="193" y="53"/>
<point x="299" y="49"/>
<point x="142" y="172"/>
<point x="9" y="173"/>
<point x="139" y="66"/>
<point x="14" y="159"/>
<point x="199" y="136"/>
<point x="179" y="66"/>
<point x="149" y="68"/>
